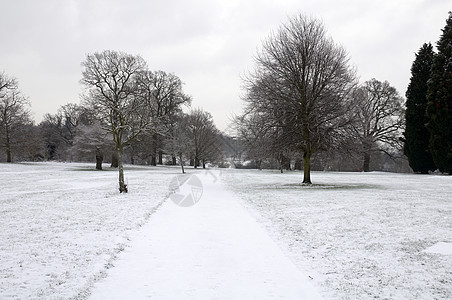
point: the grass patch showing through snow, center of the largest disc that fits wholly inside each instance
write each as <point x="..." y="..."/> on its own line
<point x="320" y="186"/>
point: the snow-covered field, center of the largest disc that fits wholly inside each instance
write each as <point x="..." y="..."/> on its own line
<point x="360" y="235"/>
<point x="375" y="235"/>
<point x="61" y="225"/>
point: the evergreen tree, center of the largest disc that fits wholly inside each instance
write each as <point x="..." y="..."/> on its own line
<point x="416" y="134"/>
<point x="439" y="107"/>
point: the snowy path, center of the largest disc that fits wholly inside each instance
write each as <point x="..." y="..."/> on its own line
<point x="212" y="250"/>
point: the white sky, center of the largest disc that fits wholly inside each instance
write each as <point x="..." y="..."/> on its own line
<point x="209" y="44"/>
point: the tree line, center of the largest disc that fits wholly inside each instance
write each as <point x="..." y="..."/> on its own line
<point x="126" y="110"/>
<point x="304" y="109"/>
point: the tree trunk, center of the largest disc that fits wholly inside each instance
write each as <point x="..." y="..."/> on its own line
<point x="8" y="147"/>
<point x="366" y="163"/>
<point x="181" y="161"/>
<point x="114" y="160"/>
<point x="154" y="150"/>
<point x="160" y="158"/>
<point x="307" y="167"/>
<point x="286" y="163"/>
<point x="281" y="167"/>
<point x="122" y="185"/>
<point x="259" y="164"/>
<point x="196" y="162"/>
<point x="203" y="164"/>
<point x="99" y="159"/>
<point x="8" y="155"/>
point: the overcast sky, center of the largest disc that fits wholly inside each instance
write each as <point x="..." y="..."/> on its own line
<point x="209" y="44"/>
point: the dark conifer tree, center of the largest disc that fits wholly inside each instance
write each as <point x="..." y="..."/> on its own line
<point x="416" y="134"/>
<point x="439" y="107"/>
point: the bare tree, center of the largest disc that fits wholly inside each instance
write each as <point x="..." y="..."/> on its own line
<point x="254" y="138"/>
<point x="179" y="143"/>
<point x="52" y="132"/>
<point x="379" y="118"/>
<point x="112" y="93"/>
<point x="262" y="142"/>
<point x="72" y="116"/>
<point x="60" y="129"/>
<point x="164" y="95"/>
<point x="204" y="137"/>
<point x="301" y="86"/>
<point x="92" y="141"/>
<point x="14" y="114"/>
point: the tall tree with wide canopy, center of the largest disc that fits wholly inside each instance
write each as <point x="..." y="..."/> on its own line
<point x="301" y="85"/>
<point x="112" y="93"/>
<point x="416" y="135"/>
<point x="439" y="107"/>
<point x="165" y="97"/>
<point x="379" y="118"/>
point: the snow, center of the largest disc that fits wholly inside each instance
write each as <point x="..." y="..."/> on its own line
<point x="359" y="235"/>
<point x="61" y="225"/>
<point x="211" y="250"/>
<point x="444" y="248"/>
<point x="66" y="232"/>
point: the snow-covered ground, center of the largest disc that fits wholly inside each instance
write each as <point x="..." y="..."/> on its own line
<point x="213" y="249"/>
<point x="62" y="225"/>
<point x="360" y="235"/>
<point x="65" y="232"/>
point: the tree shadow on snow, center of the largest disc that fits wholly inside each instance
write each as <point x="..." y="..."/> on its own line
<point x="326" y="187"/>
